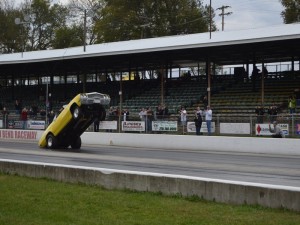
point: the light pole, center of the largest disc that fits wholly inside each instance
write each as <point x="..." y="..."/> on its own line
<point x="18" y="22"/>
<point x="89" y="13"/>
<point x="210" y="19"/>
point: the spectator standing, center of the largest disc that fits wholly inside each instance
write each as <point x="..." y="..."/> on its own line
<point x="18" y="107"/>
<point x="183" y="116"/>
<point x="208" y="119"/>
<point x="51" y="116"/>
<point x="43" y="113"/>
<point x="205" y="101"/>
<point x="292" y="104"/>
<point x="259" y="111"/>
<point x="143" y="114"/>
<point x="149" y="118"/>
<point x="198" y="120"/>
<point x="159" y="112"/>
<point x="272" y="111"/>
<point x="125" y="114"/>
<point x="5" y="117"/>
<point x="277" y="131"/>
<point x="24" y="117"/>
<point x="96" y="124"/>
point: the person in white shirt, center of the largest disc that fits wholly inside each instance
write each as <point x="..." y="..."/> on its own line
<point x="277" y="132"/>
<point x="183" y="116"/>
<point x="208" y="119"/>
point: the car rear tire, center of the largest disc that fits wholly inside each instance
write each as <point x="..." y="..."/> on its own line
<point x="51" y="141"/>
<point x="76" y="144"/>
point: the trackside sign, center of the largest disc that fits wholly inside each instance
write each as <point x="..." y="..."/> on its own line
<point x="18" y="134"/>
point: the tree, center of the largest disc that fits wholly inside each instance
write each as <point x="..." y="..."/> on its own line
<point x="83" y="16"/>
<point x="45" y="19"/>
<point x="291" y="14"/>
<point x="67" y="37"/>
<point x="10" y="38"/>
<point x="134" y="19"/>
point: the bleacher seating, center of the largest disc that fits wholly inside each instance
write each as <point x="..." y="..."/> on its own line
<point x="228" y="97"/>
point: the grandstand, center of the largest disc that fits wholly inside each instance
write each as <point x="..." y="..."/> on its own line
<point x="229" y="98"/>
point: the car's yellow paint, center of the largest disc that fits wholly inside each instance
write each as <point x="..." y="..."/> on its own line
<point x="60" y="122"/>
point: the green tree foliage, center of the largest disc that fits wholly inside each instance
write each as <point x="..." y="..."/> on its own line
<point x="10" y="37"/>
<point x="44" y="25"/>
<point x="68" y="37"/>
<point x="134" y="19"/>
<point x="291" y="14"/>
<point x="45" y="19"/>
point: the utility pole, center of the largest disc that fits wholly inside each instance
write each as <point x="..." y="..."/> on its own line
<point x="224" y="14"/>
<point x="210" y="19"/>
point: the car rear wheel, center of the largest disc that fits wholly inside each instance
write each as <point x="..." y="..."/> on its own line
<point x="76" y="144"/>
<point x="51" y="141"/>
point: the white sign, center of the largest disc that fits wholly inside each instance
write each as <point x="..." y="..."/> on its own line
<point x="133" y="125"/>
<point x="36" y="124"/>
<point x="263" y="129"/>
<point x="1" y="124"/>
<point x="108" y="125"/>
<point x="164" y="125"/>
<point x="192" y="128"/>
<point x="235" y="128"/>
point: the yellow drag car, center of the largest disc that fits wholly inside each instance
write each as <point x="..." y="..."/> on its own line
<point x="73" y="120"/>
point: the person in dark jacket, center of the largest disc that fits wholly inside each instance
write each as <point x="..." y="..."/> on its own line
<point x="198" y="120"/>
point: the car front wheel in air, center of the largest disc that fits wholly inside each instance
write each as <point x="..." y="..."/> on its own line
<point x="76" y="112"/>
<point x="51" y="141"/>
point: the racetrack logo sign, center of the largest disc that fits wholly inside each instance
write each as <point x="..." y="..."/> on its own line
<point x="18" y="134"/>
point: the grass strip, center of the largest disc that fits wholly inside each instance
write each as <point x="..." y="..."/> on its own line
<point x="30" y="201"/>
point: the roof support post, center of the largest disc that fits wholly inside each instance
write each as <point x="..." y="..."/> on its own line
<point x="263" y="84"/>
<point x="162" y="78"/>
<point x="208" y="73"/>
<point x="121" y="99"/>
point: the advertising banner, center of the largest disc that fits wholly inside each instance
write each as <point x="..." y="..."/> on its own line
<point x="133" y="126"/>
<point x="36" y="124"/>
<point x="108" y="125"/>
<point x="263" y="129"/>
<point x="235" y="128"/>
<point x="164" y="125"/>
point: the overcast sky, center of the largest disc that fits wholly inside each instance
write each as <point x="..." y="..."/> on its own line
<point x="246" y="14"/>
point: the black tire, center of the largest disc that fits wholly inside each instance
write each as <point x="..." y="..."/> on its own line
<point x="51" y="141"/>
<point x="76" y="112"/>
<point x="76" y="144"/>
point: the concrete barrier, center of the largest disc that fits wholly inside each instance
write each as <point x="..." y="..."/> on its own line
<point x="210" y="189"/>
<point x="284" y="146"/>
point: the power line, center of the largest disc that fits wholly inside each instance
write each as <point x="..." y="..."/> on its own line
<point x="224" y="14"/>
